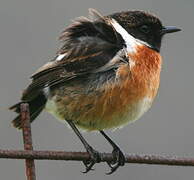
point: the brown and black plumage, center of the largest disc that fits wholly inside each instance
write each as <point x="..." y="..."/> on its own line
<point x="105" y="75"/>
<point x="82" y="57"/>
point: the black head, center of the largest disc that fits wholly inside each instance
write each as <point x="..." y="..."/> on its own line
<point x="143" y="26"/>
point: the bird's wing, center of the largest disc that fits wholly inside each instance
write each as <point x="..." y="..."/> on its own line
<point x="88" y="47"/>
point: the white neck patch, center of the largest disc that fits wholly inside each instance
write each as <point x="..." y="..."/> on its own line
<point x="130" y="41"/>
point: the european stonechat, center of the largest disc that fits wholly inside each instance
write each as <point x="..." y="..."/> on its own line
<point x="105" y="75"/>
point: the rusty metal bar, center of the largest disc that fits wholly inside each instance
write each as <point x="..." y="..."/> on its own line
<point x="29" y="154"/>
<point x="80" y="156"/>
<point x="27" y="139"/>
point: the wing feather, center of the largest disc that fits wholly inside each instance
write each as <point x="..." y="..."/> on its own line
<point x="88" y="47"/>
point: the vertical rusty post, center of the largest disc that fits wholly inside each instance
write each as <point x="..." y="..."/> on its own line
<point x="27" y="138"/>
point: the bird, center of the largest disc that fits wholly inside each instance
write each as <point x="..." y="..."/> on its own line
<point x="105" y="75"/>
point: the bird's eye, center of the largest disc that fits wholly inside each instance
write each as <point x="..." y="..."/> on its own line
<point x="145" y="29"/>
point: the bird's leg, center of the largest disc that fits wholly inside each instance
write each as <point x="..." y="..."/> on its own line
<point x="94" y="155"/>
<point x="117" y="153"/>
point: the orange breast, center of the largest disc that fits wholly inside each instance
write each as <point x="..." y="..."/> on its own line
<point x="110" y="105"/>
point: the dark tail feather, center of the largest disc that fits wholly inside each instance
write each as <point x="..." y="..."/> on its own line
<point x="36" y="106"/>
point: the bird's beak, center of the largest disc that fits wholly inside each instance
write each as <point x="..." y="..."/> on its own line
<point x="169" y="29"/>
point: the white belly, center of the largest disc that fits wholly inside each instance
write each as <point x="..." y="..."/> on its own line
<point x="134" y="112"/>
<point x="140" y="108"/>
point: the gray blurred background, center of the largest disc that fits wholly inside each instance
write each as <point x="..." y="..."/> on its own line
<point x="28" y="39"/>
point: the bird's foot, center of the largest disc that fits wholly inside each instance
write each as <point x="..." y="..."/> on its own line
<point x="119" y="160"/>
<point x="94" y="158"/>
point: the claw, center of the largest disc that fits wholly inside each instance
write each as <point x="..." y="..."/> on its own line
<point x="113" y="169"/>
<point x="94" y="158"/>
<point x="120" y="160"/>
<point x="88" y="166"/>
